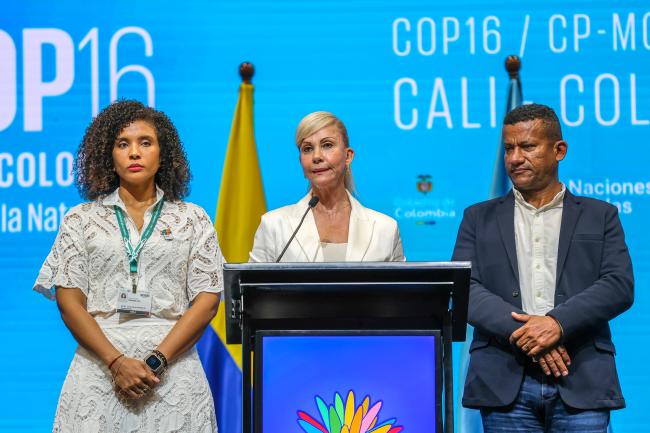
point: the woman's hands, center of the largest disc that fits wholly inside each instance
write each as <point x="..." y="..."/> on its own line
<point x="132" y="377"/>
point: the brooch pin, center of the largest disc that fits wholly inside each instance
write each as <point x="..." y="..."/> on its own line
<point x="167" y="234"/>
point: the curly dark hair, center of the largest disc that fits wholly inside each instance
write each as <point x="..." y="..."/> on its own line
<point x="527" y="112"/>
<point x="94" y="174"/>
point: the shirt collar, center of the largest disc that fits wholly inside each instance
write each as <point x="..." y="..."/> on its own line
<point x="113" y="199"/>
<point x="557" y="201"/>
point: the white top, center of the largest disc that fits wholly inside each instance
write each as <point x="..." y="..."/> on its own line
<point x="89" y="254"/>
<point x="537" y="237"/>
<point x="334" y="252"/>
<point x="372" y="236"/>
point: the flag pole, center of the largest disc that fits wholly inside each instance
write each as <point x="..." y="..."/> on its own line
<point x="513" y="66"/>
<point x="500" y="182"/>
<point x="469" y="420"/>
<point x="246" y="72"/>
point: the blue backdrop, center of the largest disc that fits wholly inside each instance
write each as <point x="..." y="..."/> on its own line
<point x="420" y="85"/>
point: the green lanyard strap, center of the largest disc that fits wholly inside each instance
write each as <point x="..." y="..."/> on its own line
<point x="132" y="253"/>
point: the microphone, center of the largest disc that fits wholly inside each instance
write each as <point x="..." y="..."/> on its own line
<point x="312" y="202"/>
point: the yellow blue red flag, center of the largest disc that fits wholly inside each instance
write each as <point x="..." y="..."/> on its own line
<point x="239" y="209"/>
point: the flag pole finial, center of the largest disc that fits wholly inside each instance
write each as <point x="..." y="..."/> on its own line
<point x="513" y="65"/>
<point x="246" y="71"/>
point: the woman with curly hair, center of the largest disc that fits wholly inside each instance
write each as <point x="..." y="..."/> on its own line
<point x="137" y="274"/>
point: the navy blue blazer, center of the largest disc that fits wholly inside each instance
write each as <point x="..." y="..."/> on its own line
<point x="594" y="284"/>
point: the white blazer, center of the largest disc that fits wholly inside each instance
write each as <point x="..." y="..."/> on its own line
<point x="372" y="236"/>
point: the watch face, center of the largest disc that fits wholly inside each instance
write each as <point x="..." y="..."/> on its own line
<point x="153" y="362"/>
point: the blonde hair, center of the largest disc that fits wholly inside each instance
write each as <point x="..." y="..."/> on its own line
<point x="314" y="122"/>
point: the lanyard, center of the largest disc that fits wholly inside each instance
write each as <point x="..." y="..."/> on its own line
<point x="132" y="252"/>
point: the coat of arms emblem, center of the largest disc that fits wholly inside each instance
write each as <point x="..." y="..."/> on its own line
<point x="424" y="183"/>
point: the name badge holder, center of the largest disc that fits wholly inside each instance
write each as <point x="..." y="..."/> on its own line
<point x="134" y="301"/>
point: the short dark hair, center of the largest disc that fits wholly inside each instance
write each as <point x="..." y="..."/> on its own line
<point x="528" y="112"/>
<point x="94" y="174"/>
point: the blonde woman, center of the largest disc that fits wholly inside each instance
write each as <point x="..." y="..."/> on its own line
<point x="337" y="228"/>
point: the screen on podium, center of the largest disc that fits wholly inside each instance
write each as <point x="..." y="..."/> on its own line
<point x="319" y="382"/>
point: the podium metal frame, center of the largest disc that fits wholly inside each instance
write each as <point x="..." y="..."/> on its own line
<point x="399" y="296"/>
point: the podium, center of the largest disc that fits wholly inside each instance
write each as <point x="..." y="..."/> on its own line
<point x="393" y="299"/>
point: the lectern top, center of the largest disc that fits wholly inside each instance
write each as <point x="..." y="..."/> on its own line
<point x="346" y="266"/>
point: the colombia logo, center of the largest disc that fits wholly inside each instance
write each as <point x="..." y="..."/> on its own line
<point x="424" y="183"/>
<point x="340" y="418"/>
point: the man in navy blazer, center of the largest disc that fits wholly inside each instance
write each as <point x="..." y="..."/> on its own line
<point x="549" y="271"/>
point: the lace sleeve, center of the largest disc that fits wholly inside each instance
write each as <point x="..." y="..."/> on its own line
<point x="67" y="263"/>
<point x="205" y="267"/>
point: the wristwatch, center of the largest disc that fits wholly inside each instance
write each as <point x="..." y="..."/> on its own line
<point x="157" y="362"/>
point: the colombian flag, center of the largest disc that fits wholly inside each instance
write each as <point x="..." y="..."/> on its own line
<point x="240" y="207"/>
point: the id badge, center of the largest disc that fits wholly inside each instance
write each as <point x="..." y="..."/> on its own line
<point x="134" y="303"/>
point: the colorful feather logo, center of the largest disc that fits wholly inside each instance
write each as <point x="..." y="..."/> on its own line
<point x="347" y="417"/>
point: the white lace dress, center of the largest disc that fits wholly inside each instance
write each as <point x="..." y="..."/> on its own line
<point x="89" y="254"/>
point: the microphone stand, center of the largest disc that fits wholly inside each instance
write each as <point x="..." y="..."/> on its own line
<point x="312" y="203"/>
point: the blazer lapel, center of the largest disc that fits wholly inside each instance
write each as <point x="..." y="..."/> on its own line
<point x="359" y="232"/>
<point x="506" y="220"/>
<point x="307" y="236"/>
<point x="570" y="214"/>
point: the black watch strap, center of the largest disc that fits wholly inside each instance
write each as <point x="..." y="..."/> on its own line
<point x="161" y="356"/>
